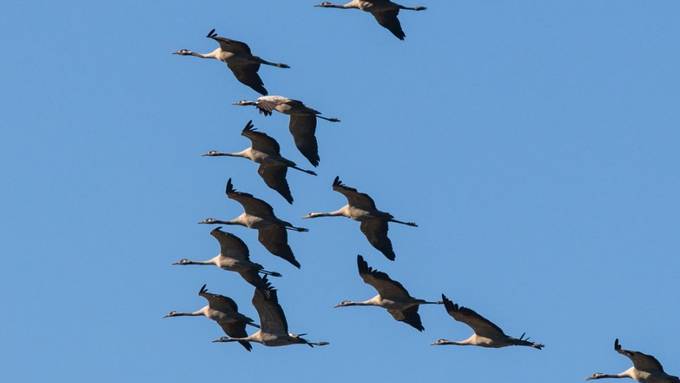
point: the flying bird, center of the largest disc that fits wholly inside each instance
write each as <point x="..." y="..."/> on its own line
<point x="384" y="11"/>
<point x="273" y="325"/>
<point x="392" y="296"/>
<point x="265" y="151"/>
<point x="234" y="256"/>
<point x="302" y="123"/>
<point x="361" y="207"/>
<point x="224" y="311"/>
<point x="646" y="368"/>
<point x="239" y="59"/>
<point x="486" y="333"/>
<point x="260" y="215"/>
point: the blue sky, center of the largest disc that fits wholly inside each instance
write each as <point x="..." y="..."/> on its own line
<point x="535" y="142"/>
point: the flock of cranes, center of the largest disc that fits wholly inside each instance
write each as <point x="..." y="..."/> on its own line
<point x="234" y="254"/>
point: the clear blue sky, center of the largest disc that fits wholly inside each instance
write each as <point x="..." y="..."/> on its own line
<point x="535" y="142"/>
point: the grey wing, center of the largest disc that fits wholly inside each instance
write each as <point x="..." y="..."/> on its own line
<point x="230" y="45"/>
<point x="386" y="286"/>
<point x="251" y="205"/>
<point x="261" y="141"/>
<point x="354" y="197"/>
<point x="272" y="317"/>
<point x="219" y="302"/>
<point x="390" y="20"/>
<point x="409" y="316"/>
<point x="275" y="177"/>
<point x="480" y="325"/>
<point x="236" y="329"/>
<point x="641" y="361"/>
<point x="303" y="129"/>
<point x="375" y="230"/>
<point x="253" y="277"/>
<point x="275" y="239"/>
<point x="231" y="246"/>
<point x="247" y="75"/>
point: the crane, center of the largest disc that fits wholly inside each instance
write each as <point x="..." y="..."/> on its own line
<point x="392" y="296"/>
<point x="273" y="325"/>
<point x="361" y="207"/>
<point x="385" y="12"/>
<point x="265" y="151"/>
<point x="222" y="310"/>
<point x="486" y="333"/>
<point x="302" y="123"/>
<point x="234" y="256"/>
<point x="260" y="215"/>
<point x="646" y="368"/>
<point x="239" y="59"/>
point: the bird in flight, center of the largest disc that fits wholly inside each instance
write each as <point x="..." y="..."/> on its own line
<point x="265" y="151"/>
<point x="361" y="207"/>
<point x="486" y="333"/>
<point x="238" y="57"/>
<point x="273" y="325"/>
<point x="646" y="368"/>
<point x="302" y="123"/>
<point x="222" y="310"/>
<point x="385" y="12"/>
<point x="392" y="296"/>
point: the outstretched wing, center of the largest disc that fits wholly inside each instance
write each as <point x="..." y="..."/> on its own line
<point x="219" y="302"/>
<point x="275" y="239"/>
<point x="236" y="329"/>
<point x="230" y="45"/>
<point x="272" y="317"/>
<point x="375" y="230"/>
<point x="354" y="198"/>
<point x="275" y="177"/>
<point x="478" y="323"/>
<point x="389" y="19"/>
<point x="303" y="129"/>
<point x="409" y="316"/>
<point x="261" y="141"/>
<point x="641" y="361"/>
<point x="246" y="73"/>
<point x="231" y="246"/>
<point x="386" y="287"/>
<point x="251" y="205"/>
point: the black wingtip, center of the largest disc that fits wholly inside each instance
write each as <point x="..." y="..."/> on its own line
<point x="362" y="264"/>
<point x="230" y="186"/>
<point x="249" y="126"/>
<point x="211" y="33"/>
<point x="336" y="181"/>
<point x="617" y="344"/>
<point x="203" y="289"/>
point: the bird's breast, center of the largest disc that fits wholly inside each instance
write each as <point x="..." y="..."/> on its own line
<point x="284" y="108"/>
<point x="358" y="214"/>
<point x="259" y="157"/>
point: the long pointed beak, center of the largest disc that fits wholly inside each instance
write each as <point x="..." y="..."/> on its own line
<point x="176" y="263"/>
